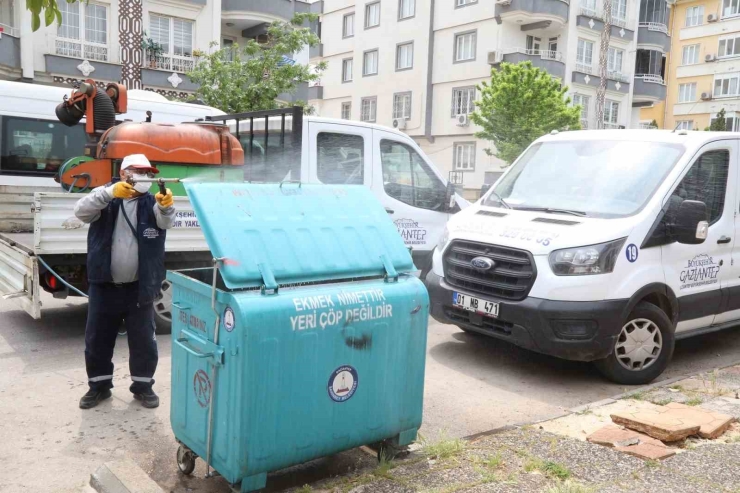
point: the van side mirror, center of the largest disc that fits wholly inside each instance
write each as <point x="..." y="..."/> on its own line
<point x="691" y="225"/>
<point x="484" y="189"/>
<point x="450" y="197"/>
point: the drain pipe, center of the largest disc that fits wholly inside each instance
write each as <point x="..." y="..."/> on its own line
<point x="672" y="6"/>
<point x="430" y="73"/>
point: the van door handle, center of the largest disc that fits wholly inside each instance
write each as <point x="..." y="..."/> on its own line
<point x="389" y="210"/>
<point x="724" y="239"/>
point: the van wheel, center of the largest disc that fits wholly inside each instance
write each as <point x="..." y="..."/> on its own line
<point x="643" y="348"/>
<point x="163" y="309"/>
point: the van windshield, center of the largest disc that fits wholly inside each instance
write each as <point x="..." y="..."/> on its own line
<point x="595" y="178"/>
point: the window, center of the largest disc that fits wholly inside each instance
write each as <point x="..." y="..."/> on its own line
<point x="372" y="15"/>
<point x="614" y="60"/>
<point x="340" y="159"/>
<point x="402" y="105"/>
<point x="347" y="70"/>
<point x="588" y="7"/>
<point x="406" y="177"/>
<point x="611" y="113"/>
<point x="732" y="122"/>
<point x="690" y="55"/>
<point x="465" y="47"/>
<point x="7" y="13"/>
<point x="368" y="109"/>
<point x="687" y="92"/>
<point x="685" y="125"/>
<point x="463" y="157"/>
<point x="370" y="63"/>
<point x="706" y="181"/>
<point x="406" y="9"/>
<point x="694" y="16"/>
<point x="619" y="13"/>
<point x="729" y="47"/>
<point x="175" y="36"/>
<point x="654" y="11"/>
<point x="726" y="85"/>
<point x="585" y="54"/>
<point x="348" y="26"/>
<point x="583" y="102"/>
<point x="463" y="3"/>
<point x="730" y="7"/>
<point x="405" y="56"/>
<point x="463" y="101"/>
<point x="346" y="111"/>
<point x="37" y="147"/>
<point x="83" y="32"/>
<point x="228" y="44"/>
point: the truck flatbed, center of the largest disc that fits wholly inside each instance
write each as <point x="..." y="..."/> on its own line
<point x="24" y="241"/>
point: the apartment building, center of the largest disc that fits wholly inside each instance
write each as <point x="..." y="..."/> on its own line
<point x="704" y="73"/>
<point x="415" y="65"/>
<point x="102" y="39"/>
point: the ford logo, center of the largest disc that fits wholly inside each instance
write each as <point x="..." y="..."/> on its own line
<point x="482" y="264"/>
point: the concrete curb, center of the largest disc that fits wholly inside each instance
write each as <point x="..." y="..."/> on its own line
<point x="123" y="476"/>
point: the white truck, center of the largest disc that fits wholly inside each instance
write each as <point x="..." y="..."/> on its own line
<point x="38" y="230"/>
<point x="601" y="246"/>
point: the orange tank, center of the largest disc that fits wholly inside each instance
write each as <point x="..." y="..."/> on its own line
<point x="186" y="143"/>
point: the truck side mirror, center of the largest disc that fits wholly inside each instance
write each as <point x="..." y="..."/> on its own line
<point x="450" y="197"/>
<point x="484" y="188"/>
<point x="691" y="225"/>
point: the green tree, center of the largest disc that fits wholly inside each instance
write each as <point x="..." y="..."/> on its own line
<point x="719" y="124"/>
<point x="520" y="104"/>
<point x="237" y="79"/>
<point x="654" y="123"/>
<point x="48" y="8"/>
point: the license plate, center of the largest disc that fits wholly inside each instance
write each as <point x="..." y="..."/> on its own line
<point x="476" y="305"/>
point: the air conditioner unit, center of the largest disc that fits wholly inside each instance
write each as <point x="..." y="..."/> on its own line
<point x="712" y="18"/>
<point x="706" y="96"/>
<point x="492" y="58"/>
<point x="710" y="58"/>
<point x="399" y="123"/>
<point x="462" y="120"/>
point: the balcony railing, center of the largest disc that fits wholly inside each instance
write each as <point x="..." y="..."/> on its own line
<point x="585" y="69"/>
<point x="10" y="30"/>
<point x="618" y="76"/>
<point x="597" y="13"/>
<point x="173" y="63"/>
<point x="611" y="126"/>
<point x="655" y="79"/>
<point x="655" y="26"/>
<point x="648" y="126"/>
<point x="544" y="54"/>
<point x="584" y="123"/>
<point x="81" y="49"/>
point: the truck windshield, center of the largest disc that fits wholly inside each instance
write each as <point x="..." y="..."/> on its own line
<point x="595" y="178"/>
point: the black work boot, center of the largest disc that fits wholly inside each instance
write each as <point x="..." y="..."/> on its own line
<point x="148" y="399"/>
<point x="93" y="398"/>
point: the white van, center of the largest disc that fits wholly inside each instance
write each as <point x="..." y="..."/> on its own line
<point x="602" y="246"/>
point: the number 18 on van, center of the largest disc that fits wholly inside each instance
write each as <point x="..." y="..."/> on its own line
<point x="475" y="304"/>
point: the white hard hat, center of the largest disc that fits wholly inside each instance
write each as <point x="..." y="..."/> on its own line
<point x="138" y="161"/>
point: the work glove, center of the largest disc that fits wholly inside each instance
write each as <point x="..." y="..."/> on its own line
<point x="166" y="200"/>
<point x="121" y="190"/>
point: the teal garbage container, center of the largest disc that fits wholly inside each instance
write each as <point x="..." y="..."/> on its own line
<point x="307" y="338"/>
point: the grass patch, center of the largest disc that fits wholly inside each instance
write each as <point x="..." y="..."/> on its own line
<point x="494" y="462"/>
<point x="652" y="464"/>
<point x="568" y="487"/>
<point x="384" y="467"/>
<point x="442" y="449"/>
<point x="548" y="468"/>
<point x="694" y="401"/>
<point x="663" y="402"/>
<point x="585" y="412"/>
<point x="638" y="396"/>
<point x="306" y="489"/>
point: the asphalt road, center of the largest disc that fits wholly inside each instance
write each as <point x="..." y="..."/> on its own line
<point x="473" y="384"/>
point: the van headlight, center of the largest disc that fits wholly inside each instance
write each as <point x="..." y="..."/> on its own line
<point x="586" y="260"/>
<point x="443" y="239"/>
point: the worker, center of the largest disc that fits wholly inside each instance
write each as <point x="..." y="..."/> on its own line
<point x="125" y="270"/>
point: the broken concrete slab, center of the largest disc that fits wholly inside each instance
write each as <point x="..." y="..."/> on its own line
<point x="648" y="451"/>
<point x="724" y="405"/>
<point x="712" y="424"/>
<point x="123" y="476"/>
<point x="658" y="422"/>
<point x="616" y="436"/>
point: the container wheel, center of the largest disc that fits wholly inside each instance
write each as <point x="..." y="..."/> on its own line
<point x="185" y="460"/>
<point x="163" y="309"/>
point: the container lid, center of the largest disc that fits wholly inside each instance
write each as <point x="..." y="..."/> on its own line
<point x="269" y="234"/>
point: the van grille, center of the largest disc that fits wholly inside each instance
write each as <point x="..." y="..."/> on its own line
<point x="511" y="277"/>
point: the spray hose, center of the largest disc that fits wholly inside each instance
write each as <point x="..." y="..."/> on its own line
<point x="60" y="278"/>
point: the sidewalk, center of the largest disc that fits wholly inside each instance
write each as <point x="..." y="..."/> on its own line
<point x="554" y="456"/>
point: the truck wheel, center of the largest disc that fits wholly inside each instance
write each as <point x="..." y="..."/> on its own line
<point x="163" y="309"/>
<point x="643" y="349"/>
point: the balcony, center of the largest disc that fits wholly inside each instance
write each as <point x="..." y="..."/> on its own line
<point x="592" y="19"/>
<point x="85" y="50"/>
<point x="588" y="75"/>
<point x="264" y="9"/>
<point x="532" y="14"/>
<point x="653" y="35"/>
<point x="316" y="51"/>
<point x="10" y="52"/>
<point x="612" y="126"/>
<point x="315" y="92"/>
<point x="649" y="88"/>
<point x="550" y="61"/>
<point x="170" y="63"/>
